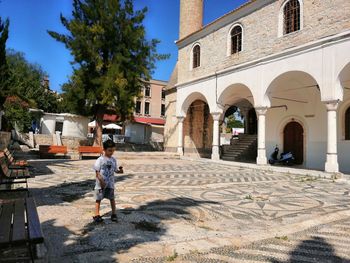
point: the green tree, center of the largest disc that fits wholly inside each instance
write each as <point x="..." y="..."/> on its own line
<point x="4" y="73"/>
<point x="232" y="122"/>
<point x="111" y="57"/>
<point x="26" y="80"/>
<point x="17" y="113"/>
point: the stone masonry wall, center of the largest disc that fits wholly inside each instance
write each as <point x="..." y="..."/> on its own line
<point x="171" y="123"/>
<point x="322" y="18"/>
<point x="71" y="142"/>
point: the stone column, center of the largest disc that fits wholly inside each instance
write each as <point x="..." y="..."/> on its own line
<point x="332" y="165"/>
<point x="180" y="145"/>
<point x="216" y="136"/>
<point x="261" y="112"/>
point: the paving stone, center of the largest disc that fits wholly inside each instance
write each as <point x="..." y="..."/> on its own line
<point x="275" y="217"/>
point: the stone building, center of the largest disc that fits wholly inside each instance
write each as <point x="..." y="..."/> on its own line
<point x="148" y="123"/>
<point x="284" y="63"/>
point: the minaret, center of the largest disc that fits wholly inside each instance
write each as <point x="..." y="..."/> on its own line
<point x="191" y="16"/>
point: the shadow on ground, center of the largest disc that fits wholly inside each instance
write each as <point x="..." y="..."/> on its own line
<point x="145" y="224"/>
<point x="316" y="250"/>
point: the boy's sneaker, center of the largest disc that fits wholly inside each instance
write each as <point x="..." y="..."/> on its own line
<point x="98" y="219"/>
<point x="114" y="218"/>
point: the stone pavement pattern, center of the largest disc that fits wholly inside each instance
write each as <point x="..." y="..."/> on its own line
<point x="205" y="212"/>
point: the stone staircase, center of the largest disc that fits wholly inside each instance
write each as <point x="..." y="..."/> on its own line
<point x="243" y="149"/>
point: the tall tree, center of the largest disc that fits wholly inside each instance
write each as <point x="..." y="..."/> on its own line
<point x="4" y="73"/>
<point x="27" y="81"/>
<point x="111" y="57"/>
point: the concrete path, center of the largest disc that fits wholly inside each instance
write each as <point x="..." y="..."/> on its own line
<point x="173" y="210"/>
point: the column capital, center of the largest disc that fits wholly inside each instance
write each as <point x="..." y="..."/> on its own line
<point x="216" y="115"/>
<point x="331" y="105"/>
<point x="180" y="118"/>
<point x="261" y="110"/>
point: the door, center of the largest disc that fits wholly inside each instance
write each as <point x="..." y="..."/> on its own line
<point x="252" y="122"/>
<point x="294" y="141"/>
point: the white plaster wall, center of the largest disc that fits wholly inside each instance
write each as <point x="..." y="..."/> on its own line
<point x="315" y="131"/>
<point x="48" y="124"/>
<point x="75" y="126"/>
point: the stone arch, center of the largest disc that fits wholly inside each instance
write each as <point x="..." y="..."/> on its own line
<point x="301" y="80"/>
<point x="190" y="99"/>
<point x="234" y="93"/>
<point x="343" y="81"/>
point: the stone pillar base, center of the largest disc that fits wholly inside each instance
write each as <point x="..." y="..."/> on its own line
<point x="215" y="156"/>
<point x="261" y="159"/>
<point x="332" y="165"/>
<point x="180" y="151"/>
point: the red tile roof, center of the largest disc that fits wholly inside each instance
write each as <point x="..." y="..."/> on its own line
<point x="150" y="120"/>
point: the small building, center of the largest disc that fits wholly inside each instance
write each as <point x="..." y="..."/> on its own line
<point x="69" y="125"/>
<point x="149" y="112"/>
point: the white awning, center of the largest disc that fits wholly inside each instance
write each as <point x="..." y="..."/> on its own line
<point x="112" y="126"/>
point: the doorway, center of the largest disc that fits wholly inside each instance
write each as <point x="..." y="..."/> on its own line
<point x="252" y="126"/>
<point x="293" y="141"/>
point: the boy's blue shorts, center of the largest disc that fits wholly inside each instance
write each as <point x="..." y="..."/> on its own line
<point x="107" y="193"/>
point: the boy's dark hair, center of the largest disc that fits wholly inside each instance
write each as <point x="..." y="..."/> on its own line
<point x="108" y="144"/>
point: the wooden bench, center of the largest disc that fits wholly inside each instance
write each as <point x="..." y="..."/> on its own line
<point x="52" y="150"/>
<point x="89" y="151"/>
<point x="13" y="176"/>
<point x="13" y="161"/>
<point x="20" y="227"/>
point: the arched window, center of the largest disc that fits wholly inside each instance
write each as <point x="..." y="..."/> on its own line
<point x="236" y="39"/>
<point x="347" y="124"/>
<point x="196" y="56"/>
<point x="292" y="18"/>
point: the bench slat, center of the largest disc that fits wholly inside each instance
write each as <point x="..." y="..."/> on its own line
<point x="34" y="228"/>
<point x="5" y="223"/>
<point x="19" y="227"/>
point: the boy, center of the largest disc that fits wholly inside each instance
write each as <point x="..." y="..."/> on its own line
<point x="105" y="167"/>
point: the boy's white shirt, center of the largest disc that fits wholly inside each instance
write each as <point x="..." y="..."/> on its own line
<point x="106" y="167"/>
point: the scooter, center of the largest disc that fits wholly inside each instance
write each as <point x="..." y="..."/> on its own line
<point x="285" y="158"/>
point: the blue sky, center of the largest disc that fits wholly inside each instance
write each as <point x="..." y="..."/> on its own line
<point x="30" y="20"/>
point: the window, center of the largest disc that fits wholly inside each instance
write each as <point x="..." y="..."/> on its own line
<point x="162" y="110"/>
<point x="138" y="107"/>
<point x="196" y="56"/>
<point x="291" y="14"/>
<point x="147" y="91"/>
<point x="236" y="39"/>
<point x="163" y="94"/>
<point x="347" y="124"/>
<point x="147" y="104"/>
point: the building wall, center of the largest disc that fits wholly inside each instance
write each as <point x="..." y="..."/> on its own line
<point x="171" y="122"/>
<point x="155" y="100"/>
<point x="260" y="38"/>
<point x="73" y="125"/>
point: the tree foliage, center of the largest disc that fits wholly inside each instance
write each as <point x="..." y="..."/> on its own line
<point x="111" y="57"/>
<point x="232" y="122"/>
<point x="17" y="113"/>
<point x="26" y="81"/>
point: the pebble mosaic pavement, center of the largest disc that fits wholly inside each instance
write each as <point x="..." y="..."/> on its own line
<point x="188" y="205"/>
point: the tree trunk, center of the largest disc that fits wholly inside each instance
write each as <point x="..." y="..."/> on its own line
<point x="98" y="128"/>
